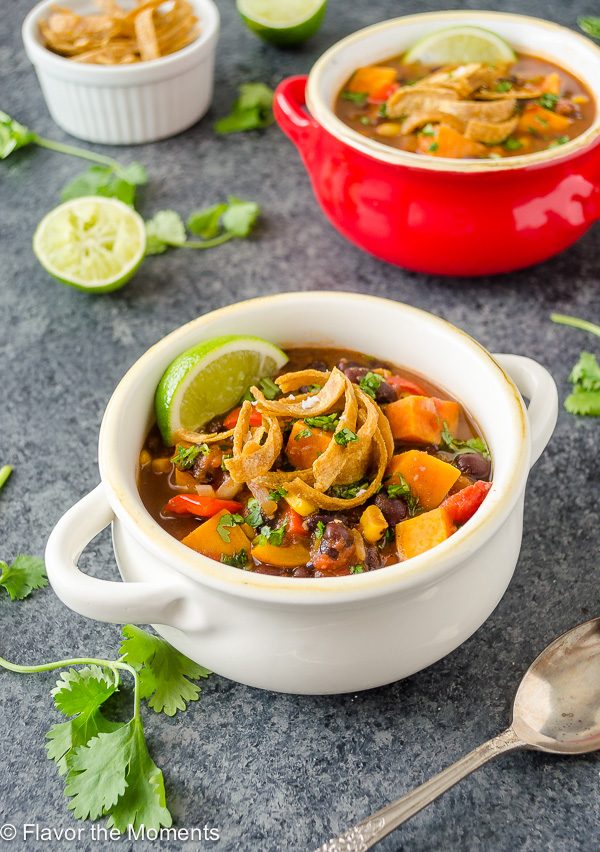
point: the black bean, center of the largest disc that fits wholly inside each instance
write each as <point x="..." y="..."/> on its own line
<point x="474" y="465"/>
<point x="373" y="558"/>
<point x="385" y="393"/>
<point x="301" y="571"/>
<point x="336" y="537"/>
<point x="344" y="363"/>
<point x="355" y="374"/>
<point x="393" y="509"/>
<point x="318" y="365"/>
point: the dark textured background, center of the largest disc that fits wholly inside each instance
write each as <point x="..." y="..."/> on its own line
<point x="272" y="771"/>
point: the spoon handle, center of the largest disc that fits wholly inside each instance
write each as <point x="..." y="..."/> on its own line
<point x="370" y="831"/>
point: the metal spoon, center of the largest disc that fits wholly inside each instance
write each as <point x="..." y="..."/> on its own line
<point x="556" y="709"/>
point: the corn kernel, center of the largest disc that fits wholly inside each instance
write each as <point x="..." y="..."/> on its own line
<point x="372" y="524"/>
<point x="145" y="458"/>
<point x="300" y="504"/>
<point x="580" y="99"/>
<point x="388" y="129"/>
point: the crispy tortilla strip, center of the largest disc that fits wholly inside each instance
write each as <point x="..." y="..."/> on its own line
<point x="324" y="501"/>
<point x="202" y="437"/>
<point x="359" y="453"/>
<point x="420" y="119"/>
<point x="411" y="102"/>
<point x="489" y="132"/>
<point x="519" y="94"/>
<point x="146" y="35"/>
<point x="328" y="465"/>
<point x="290" y="382"/>
<point x="304" y="405"/>
<point x="256" y="459"/>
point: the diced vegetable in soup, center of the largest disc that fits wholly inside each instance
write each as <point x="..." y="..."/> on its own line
<point x="350" y="464"/>
<point x="473" y="110"/>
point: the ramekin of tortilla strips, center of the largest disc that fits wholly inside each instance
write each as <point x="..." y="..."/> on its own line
<point x="123" y="75"/>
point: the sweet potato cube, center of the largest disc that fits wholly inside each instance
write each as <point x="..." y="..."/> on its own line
<point x="420" y="419"/>
<point x="207" y="540"/>
<point x="305" y="444"/>
<point x="542" y="122"/>
<point x="373" y="80"/>
<point x="184" y="479"/>
<point x="428" y="477"/>
<point x="421" y="533"/>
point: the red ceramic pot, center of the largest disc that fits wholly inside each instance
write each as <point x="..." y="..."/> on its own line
<point x="440" y="215"/>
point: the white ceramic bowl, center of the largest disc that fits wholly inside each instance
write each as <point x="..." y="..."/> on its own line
<point x="126" y="104"/>
<point x="325" y="635"/>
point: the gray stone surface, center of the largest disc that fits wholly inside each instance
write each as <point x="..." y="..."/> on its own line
<point x="276" y="772"/>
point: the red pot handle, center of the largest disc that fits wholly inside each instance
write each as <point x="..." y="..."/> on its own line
<point x="290" y="98"/>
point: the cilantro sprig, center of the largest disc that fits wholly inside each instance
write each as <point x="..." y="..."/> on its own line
<point x="226" y="524"/>
<point x="216" y="225"/>
<point x="23" y="576"/>
<point x="273" y="536"/>
<point x="107" y="177"/>
<point x="459" y="448"/>
<point x="591" y="26"/>
<point x="584" y="400"/>
<point x="326" y="422"/>
<point x="370" y="384"/>
<point x="252" y="110"/>
<point x="106" y="765"/>
<point x="345" y="436"/>
<point x="185" y="457"/>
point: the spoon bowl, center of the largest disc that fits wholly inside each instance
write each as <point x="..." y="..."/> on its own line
<point x="556" y="709"/>
<point x="557" y="705"/>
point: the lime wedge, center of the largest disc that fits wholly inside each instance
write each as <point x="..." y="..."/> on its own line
<point x="91" y="243"/>
<point x="457" y="45"/>
<point x="283" y="22"/>
<point x="210" y="378"/>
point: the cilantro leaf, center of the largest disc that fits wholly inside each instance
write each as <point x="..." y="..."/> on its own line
<point x="185" y="457"/>
<point x="206" y="223"/>
<point x="226" y="522"/>
<point x="358" y="98"/>
<point x="239" y="559"/>
<point x="327" y="422"/>
<point x="348" y="492"/>
<point x="356" y="569"/>
<point x="272" y="536"/>
<point x="591" y="26"/>
<point x="277" y="493"/>
<point x="252" y="110"/>
<point x="80" y="694"/>
<point x="269" y="388"/>
<point x="108" y="182"/>
<point x="303" y="433"/>
<point x="240" y="216"/>
<point x="401" y="490"/>
<point x="584" y="403"/>
<point x="13" y="135"/>
<point x="344" y="436"/>
<point x="458" y="447"/>
<point x="166" y="675"/>
<point x="165" y="229"/>
<point x="586" y="372"/>
<point x="548" y="100"/>
<point x="254" y="516"/>
<point x="115" y="774"/>
<point x="370" y="384"/>
<point x="23" y="576"/>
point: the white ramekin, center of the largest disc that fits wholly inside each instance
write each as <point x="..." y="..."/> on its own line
<point x="126" y="104"/>
<point x="323" y="635"/>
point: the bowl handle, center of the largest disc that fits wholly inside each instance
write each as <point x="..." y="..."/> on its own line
<point x="296" y="123"/>
<point x="537" y="385"/>
<point x="103" y="600"/>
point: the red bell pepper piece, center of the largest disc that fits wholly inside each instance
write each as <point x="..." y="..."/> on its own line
<point x="232" y="418"/>
<point x="202" y="507"/>
<point x="463" y="505"/>
<point x="402" y="385"/>
<point x="295" y="523"/>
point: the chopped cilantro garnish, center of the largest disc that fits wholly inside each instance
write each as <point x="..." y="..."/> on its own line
<point x="454" y="445"/>
<point x="512" y="144"/>
<point x="365" y="120"/>
<point x="277" y="493"/>
<point x="358" y="98"/>
<point x="313" y="388"/>
<point x="382" y="112"/>
<point x="239" y="559"/>
<point x="272" y="536"/>
<point x="356" y="569"/>
<point x="428" y="130"/>
<point x="433" y="147"/>
<point x="401" y="490"/>
<point x="226" y="522"/>
<point x="370" y="384"/>
<point x="303" y="433"/>
<point x="269" y="388"/>
<point x="344" y="437"/>
<point x="185" y="457"/>
<point x="503" y="86"/>
<point x="327" y="422"/>
<point x="561" y="140"/>
<point x="253" y="516"/>
<point x="548" y="100"/>
<point x="348" y="492"/>
<point x="319" y="530"/>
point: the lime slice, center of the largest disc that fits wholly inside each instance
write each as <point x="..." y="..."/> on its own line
<point x="91" y="243"/>
<point x="457" y="45"/>
<point x="283" y="22"/>
<point x="210" y="378"/>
